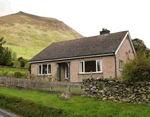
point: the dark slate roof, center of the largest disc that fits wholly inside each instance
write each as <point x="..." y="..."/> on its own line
<point x="95" y="45"/>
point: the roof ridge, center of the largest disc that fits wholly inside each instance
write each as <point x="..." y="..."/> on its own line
<point x="93" y="45"/>
<point x="89" y="37"/>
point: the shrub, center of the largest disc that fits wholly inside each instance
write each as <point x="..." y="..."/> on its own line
<point x="137" y="70"/>
<point x="22" y="61"/>
<point x="17" y="74"/>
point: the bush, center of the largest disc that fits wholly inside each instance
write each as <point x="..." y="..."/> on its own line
<point x="137" y="70"/>
<point x="17" y="74"/>
<point x="22" y="61"/>
<point x="20" y="58"/>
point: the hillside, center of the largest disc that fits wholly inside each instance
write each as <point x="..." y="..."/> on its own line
<point x="28" y="34"/>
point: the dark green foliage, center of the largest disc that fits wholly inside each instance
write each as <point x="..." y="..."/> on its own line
<point x="20" y="58"/>
<point x="22" y="61"/>
<point x="138" y="45"/>
<point x="137" y="69"/>
<point x="5" y="54"/>
<point x="29" y="69"/>
<point x="6" y="57"/>
<point x="28" y="108"/>
<point x="140" y="48"/>
<point x="18" y="75"/>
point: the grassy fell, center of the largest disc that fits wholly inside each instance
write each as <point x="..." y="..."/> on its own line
<point x="28" y="34"/>
<point x="80" y="106"/>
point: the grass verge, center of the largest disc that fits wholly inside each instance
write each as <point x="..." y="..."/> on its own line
<point x="28" y="108"/>
<point x="77" y="106"/>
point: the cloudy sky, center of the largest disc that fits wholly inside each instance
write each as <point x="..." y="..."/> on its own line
<point x="88" y="17"/>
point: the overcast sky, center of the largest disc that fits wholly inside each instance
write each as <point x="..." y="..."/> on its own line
<point x="88" y="17"/>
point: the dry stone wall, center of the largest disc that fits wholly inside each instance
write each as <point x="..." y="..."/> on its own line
<point x="117" y="91"/>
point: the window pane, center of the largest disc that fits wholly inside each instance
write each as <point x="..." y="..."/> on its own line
<point x="49" y="69"/>
<point x="39" y="69"/>
<point x="44" y="69"/>
<point x="98" y="65"/>
<point x="120" y="64"/>
<point x="81" y="67"/>
<point x="90" y="66"/>
<point x="66" y="71"/>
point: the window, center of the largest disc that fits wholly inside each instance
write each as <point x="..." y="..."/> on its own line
<point x="120" y="65"/>
<point x="81" y="67"/>
<point x="40" y="69"/>
<point x="66" y="72"/>
<point x="99" y="65"/>
<point x="49" y="69"/>
<point x="44" y="69"/>
<point x="90" y="66"/>
<point x="94" y="66"/>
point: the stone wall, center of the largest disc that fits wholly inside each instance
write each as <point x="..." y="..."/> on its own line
<point x="117" y="91"/>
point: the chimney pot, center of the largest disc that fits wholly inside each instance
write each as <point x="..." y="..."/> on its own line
<point x="104" y="31"/>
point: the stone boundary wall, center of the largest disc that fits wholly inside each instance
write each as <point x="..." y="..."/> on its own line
<point x="117" y="91"/>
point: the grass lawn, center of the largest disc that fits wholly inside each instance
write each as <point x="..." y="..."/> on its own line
<point x="81" y="106"/>
<point x="72" y="89"/>
<point x="9" y="70"/>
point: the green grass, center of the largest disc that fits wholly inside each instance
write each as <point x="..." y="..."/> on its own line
<point x="72" y="89"/>
<point x="27" y="42"/>
<point x="9" y="70"/>
<point x="81" y="106"/>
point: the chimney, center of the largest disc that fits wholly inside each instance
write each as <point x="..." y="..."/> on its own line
<point x="104" y="31"/>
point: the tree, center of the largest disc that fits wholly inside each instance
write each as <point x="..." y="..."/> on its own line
<point x="140" y="48"/>
<point x="6" y="58"/>
<point x="5" y="53"/>
<point x="1" y="43"/>
<point x="138" y="44"/>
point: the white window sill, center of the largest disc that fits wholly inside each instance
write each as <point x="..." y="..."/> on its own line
<point x="44" y="74"/>
<point x="91" y="73"/>
<point x="120" y="69"/>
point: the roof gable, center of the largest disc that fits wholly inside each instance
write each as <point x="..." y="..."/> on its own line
<point x="95" y="45"/>
<point x="130" y="41"/>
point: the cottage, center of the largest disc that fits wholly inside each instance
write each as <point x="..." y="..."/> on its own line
<point x="74" y="60"/>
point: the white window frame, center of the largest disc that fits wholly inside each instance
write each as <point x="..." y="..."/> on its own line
<point x="90" y="72"/>
<point x="66" y="67"/>
<point x="42" y="69"/>
<point x="66" y="72"/>
<point x="121" y="62"/>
